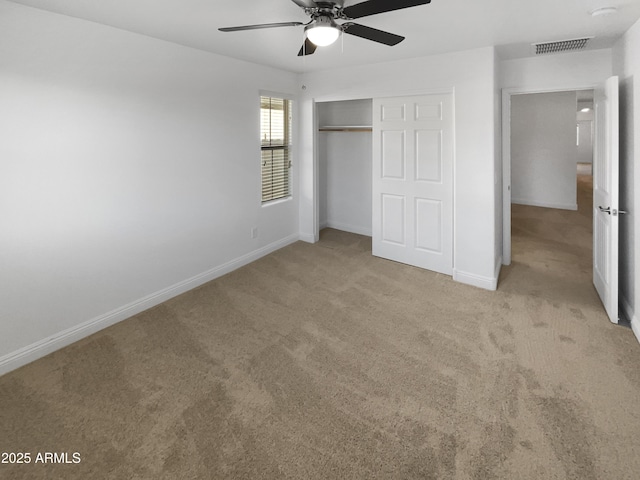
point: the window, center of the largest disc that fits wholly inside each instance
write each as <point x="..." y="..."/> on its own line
<point x="275" y="142"/>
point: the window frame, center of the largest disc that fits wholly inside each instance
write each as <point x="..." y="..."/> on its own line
<point x="286" y="146"/>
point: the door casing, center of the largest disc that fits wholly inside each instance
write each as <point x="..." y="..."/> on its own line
<point x="506" y="155"/>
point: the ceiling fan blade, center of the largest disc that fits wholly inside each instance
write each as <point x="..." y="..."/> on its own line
<point x="373" y="7"/>
<point x="305" y="3"/>
<point x="261" y="25"/>
<point x="307" y="48"/>
<point x="372" y="34"/>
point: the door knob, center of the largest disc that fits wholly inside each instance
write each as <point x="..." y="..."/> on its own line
<point x="605" y="210"/>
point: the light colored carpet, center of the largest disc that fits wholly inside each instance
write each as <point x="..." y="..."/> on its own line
<point x="323" y="362"/>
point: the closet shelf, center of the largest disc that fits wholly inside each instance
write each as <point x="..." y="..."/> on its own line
<point x="345" y="128"/>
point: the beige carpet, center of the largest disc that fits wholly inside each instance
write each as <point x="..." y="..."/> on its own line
<point x="323" y="362"/>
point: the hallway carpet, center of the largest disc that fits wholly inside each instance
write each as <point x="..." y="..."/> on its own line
<point x="323" y="362"/>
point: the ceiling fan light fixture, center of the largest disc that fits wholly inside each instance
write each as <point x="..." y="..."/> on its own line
<point x="323" y="31"/>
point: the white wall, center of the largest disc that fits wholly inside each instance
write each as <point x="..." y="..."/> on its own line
<point x="345" y="162"/>
<point x="129" y="172"/>
<point x="560" y="71"/>
<point x="584" y="149"/>
<point x="584" y="120"/>
<point x="346" y="113"/>
<point x="543" y="150"/>
<point x="345" y="173"/>
<point x="626" y="64"/>
<point x="471" y="75"/>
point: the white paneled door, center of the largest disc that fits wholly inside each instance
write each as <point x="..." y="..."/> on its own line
<point x="413" y="181"/>
<point x="606" y="209"/>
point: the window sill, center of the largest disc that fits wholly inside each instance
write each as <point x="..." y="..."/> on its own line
<point x="345" y="128"/>
<point x="276" y="202"/>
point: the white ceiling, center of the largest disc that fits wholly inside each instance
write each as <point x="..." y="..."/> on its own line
<point x="442" y="26"/>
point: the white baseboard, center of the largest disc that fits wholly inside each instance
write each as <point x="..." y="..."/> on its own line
<point x="308" y="237"/>
<point x="350" y="228"/>
<point x="496" y="271"/>
<point x="635" y="326"/>
<point x="66" y="337"/>
<point x="474" y="280"/>
<point x="630" y="314"/>
<point x="534" y="203"/>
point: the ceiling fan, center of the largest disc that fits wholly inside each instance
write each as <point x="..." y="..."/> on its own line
<point x="322" y="29"/>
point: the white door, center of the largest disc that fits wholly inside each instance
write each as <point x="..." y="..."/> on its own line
<point x="605" y="196"/>
<point x="413" y="181"/>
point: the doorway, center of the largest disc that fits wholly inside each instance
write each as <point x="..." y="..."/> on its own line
<point x="552" y="181"/>
<point x="605" y="221"/>
<point x="550" y="215"/>
<point x="344" y="165"/>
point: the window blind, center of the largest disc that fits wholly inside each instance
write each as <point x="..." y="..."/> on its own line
<point x="275" y="141"/>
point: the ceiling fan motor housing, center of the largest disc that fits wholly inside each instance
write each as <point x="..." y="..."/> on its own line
<point x="322" y="20"/>
<point x="330" y="9"/>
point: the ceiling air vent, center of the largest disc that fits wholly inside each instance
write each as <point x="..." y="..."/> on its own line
<point x="561" y="46"/>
